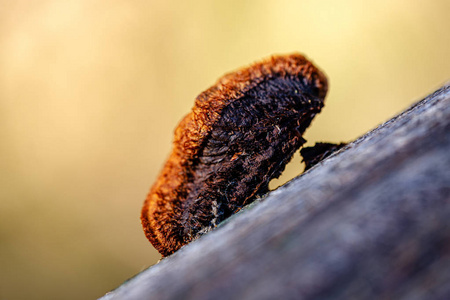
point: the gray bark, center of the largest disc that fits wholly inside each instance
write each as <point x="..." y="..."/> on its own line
<point x="370" y="222"/>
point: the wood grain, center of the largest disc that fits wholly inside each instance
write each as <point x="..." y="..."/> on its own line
<point x="369" y="222"/>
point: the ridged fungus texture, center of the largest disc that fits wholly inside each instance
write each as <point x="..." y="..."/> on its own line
<point x="240" y="134"/>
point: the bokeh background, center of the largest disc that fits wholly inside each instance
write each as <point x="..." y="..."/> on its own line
<point x="91" y="90"/>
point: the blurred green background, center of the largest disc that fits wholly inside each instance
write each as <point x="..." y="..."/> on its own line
<point x="90" y="92"/>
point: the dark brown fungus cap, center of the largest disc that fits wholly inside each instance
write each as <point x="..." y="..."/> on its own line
<point x="239" y="135"/>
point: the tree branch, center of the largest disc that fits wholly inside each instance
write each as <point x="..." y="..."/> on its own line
<point x="371" y="221"/>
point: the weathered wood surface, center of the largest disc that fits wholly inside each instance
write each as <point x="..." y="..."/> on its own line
<point x="370" y="222"/>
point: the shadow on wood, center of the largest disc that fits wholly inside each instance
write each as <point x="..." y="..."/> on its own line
<point x="370" y="222"/>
